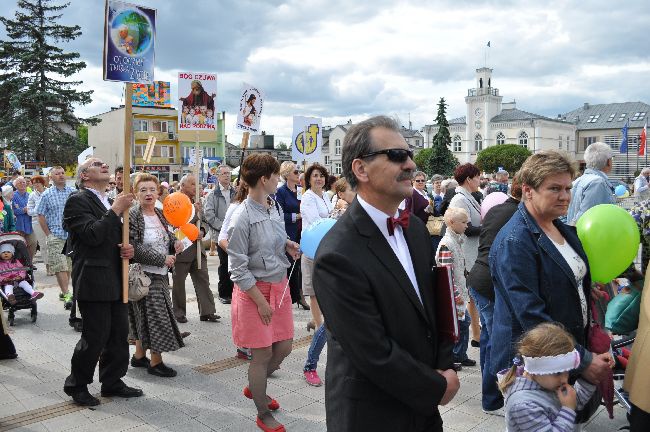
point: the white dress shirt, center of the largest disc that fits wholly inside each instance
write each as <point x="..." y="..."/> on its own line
<point x="226" y="193"/>
<point x="397" y="241"/>
<point x="103" y="197"/>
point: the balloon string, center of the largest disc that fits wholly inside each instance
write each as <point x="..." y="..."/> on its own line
<point x="285" y="287"/>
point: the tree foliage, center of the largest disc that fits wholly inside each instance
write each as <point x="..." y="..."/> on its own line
<point x="508" y="156"/>
<point x="442" y="160"/>
<point x="36" y="98"/>
<point x="422" y="160"/>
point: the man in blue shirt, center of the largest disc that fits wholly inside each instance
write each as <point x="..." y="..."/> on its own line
<point x="50" y="217"/>
<point x="23" y="220"/>
<point x="593" y="187"/>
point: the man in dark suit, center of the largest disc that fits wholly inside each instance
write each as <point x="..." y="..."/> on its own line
<point x="95" y="231"/>
<point x="387" y="367"/>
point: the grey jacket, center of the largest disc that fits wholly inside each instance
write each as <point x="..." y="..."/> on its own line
<point x="257" y="244"/>
<point x="215" y="208"/>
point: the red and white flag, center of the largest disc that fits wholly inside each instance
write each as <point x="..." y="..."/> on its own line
<point x="643" y="139"/>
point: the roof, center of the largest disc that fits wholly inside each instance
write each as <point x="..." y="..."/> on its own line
<point x="608" y="116"/>
<point x="458" y="120"/>
<point x="410" y="133"/>
<point x="515" y="114"/>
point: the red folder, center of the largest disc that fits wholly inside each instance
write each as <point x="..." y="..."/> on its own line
<point x="446" y="315"/>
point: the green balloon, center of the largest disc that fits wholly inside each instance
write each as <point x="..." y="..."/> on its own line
<point x="610" y="237"/>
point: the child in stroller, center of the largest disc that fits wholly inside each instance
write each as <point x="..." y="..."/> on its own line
<point x="11" y="279"/>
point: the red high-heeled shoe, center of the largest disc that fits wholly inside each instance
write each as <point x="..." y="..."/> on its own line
<point x="265" y="428"/>
<point x="273" y="405"/>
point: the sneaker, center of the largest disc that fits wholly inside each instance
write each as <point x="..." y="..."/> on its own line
<point x="37" y="295"/>
<point x="497" y="412"/>
<point x="61" y="297"/>
<point x="312" y="378"/>
<point x="67" y="297"/>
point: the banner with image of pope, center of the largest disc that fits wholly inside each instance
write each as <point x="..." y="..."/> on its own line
<point x="307" y="139"/>
<point x="197" y="94"/>
<point x="251" y="104"/>
<point x="129" y="42"/>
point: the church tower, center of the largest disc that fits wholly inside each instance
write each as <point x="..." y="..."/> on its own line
<point x="483" y="103"/>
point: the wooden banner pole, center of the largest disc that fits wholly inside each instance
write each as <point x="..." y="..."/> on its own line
<point x="126" y="180"/>
<point x="197" y="194"/>
<point x="244" y="144"/>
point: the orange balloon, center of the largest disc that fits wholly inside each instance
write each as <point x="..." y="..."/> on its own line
<point x="177" y="208"/>
<point x="191" y="231"/>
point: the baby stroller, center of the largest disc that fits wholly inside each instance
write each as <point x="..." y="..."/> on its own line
<point x="23" y="300"/>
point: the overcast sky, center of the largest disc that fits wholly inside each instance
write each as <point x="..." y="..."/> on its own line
<point x="345" y="60"/>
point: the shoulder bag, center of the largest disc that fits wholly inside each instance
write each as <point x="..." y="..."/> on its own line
<point x="138" y="282"/>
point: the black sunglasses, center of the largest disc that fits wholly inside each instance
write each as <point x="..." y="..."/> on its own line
<point x="419" y="181"/>
<point x="393" y="155"/>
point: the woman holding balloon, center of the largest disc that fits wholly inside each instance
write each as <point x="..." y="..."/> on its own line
<point x="261" y="306"/>
<point x="540" y="269"/>
<point x="151" y="319"/>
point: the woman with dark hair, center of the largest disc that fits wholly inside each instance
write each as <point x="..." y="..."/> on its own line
<point x="315" y="205"/>
<point x="261" y="315"/>
<point x="468" y="177"/>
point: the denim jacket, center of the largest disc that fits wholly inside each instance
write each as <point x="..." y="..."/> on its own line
<point x="534" y="284"/>
<point x="589" y="190"/>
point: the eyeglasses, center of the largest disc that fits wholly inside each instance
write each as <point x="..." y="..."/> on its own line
<point x="419" y="181"/>
<point x="393" y="155"/>
<point x="296" y="172"/>
<point x="97" y="164"/>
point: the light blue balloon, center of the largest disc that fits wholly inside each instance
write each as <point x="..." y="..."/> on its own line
<point x="620" y="190"/>
<point x="311" y="237"/>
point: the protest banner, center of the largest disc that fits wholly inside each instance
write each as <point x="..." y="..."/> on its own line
<point x="129" y="39"/>
<point x="210" y="167"/>
<point x="307" y="139"/>
<point x="156" y="95"/>
<point x="251" y="104"/>
<point x="196" y="111"/>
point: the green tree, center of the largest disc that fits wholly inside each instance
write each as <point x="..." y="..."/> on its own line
<point x="442" y="160"/>
<point x="36" y="99"/>
<point x="508" y="156"/>
<point x="422" y="160"/>
<point x="282" y="146"/>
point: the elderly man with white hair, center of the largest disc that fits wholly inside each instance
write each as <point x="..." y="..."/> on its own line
<point x="592" y="187"/>
<point x="642" y="184"/>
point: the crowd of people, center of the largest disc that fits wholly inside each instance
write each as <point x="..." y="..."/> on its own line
<point x="521" y="280"/>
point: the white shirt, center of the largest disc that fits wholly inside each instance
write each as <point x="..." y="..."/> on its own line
<point x="223" y="234"/>
<point x="579" y="270"/>
<point x="103" y="197"/>
<point x="397" y="242"/>
<point x="226" y="193"/>
<point x="314" y="207"/>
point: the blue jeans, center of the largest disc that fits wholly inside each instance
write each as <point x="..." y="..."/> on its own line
<point x="316" y="347"/>
<point x="460" y="348"/>
<point x="491" y="398"/>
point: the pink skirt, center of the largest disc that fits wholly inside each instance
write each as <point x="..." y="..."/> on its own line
<point x="247" y="327"/>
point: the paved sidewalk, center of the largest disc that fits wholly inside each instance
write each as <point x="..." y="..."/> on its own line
<point x="193" y="401"/>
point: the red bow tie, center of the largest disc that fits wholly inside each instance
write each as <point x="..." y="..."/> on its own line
<point x="402" y="220"/>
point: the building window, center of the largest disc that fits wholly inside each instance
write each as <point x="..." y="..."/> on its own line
<point x="568" y="147"/>
<point x="417" y="143"/>
<point x="501" y="138"/>
<point x="139" y="150"/>
<point x="337" y="168"/>
<point x="638" y="116"/>
<point x="622" y="117"/>
<point x="458" y="144"/>
<point x="327" y="160"/>
<point x="611" y="117"/>
<point x="158" y="126"/>
<point x="523" y="139"/>
<point x="588" y="140"/>
<point x="140" y="126"/>
<point x="593" y="118"/>
<point x="337" y="147"/>
<point x="171" y="127"/>
<point x="478" y="143"/>
<point x="559" y="142"/>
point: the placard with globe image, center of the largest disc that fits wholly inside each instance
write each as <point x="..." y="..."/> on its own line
<point x="129" y="40"/>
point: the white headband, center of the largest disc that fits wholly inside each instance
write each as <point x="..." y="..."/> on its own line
<point x="548" y="365"/>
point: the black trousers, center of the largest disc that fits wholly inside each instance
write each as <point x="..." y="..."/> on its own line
<point x="295" y="280"/>
<point x="103" y="340"/>
<point x="225" y="284"/>
<point x="639" y="420"/>
<point x="7" y="348"/>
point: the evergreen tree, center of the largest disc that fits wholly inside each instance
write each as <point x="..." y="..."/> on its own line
<point x="442" y="160"/>
<point x="36" y="100"/>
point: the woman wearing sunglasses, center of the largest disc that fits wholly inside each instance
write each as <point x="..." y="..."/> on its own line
<point x="419" y="203"/>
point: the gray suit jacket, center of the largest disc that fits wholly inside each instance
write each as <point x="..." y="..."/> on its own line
<point x="215" y="209"/>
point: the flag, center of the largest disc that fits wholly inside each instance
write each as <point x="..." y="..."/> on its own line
<point x="488" y="44"/>
<point x="624" y="140"/>
<point x="643" y="138"/>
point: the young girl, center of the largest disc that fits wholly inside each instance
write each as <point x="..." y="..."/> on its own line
<point x="10" y="279"/>
<point x="537" y="393"/>
<point x="450" y="253"/>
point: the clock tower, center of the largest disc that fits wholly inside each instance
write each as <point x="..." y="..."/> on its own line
<point x="483" y="103"/>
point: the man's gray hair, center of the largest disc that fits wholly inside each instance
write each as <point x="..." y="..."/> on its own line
<point x="645" y="171"/>
<point x="185" y="178"/>
<point x="597" y="155"/>
<point x="357" y="143"/>
<point x="82" y="168"/>
<point x="221" y="167"/>
<point x="436" y="177"/>
<point x="420" y="174"/>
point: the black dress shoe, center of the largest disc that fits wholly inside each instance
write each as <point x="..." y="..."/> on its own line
<point x="161" y="370"/>
<point x="181" y="319"/>
<point x="81" y="396"/>
<point x="211" y="318"/>
<point x="225" y="300"/>
<point x="139" y="362"/>
<point x="457" y="367"/>
<point x="10" y="356"/>
<point x="121" y="390"/>
<point x="468" y="362"/>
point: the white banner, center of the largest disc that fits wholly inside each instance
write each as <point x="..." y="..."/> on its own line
<point x="307" y="139"/>
<point x="251" y="104"/>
